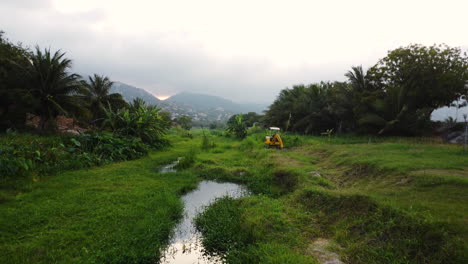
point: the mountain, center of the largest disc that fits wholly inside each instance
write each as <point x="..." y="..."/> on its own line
<point x="130" y="92"/>
<point x="202" y="108"/>
<point x="208" y="102"/>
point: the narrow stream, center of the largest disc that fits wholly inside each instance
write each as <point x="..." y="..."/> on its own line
<point x="185" y="246"/>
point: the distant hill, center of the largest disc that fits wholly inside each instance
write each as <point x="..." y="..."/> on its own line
<point x="202" y="108"/>
<point x="130" y="92"/>
<point x="207" y="102"/>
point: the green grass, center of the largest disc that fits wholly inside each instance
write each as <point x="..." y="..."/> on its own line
<point x="394" y="200"/>
<point x="119" y="213"/>
<point x="252" y="230"/>
<point x="387" y="200"/>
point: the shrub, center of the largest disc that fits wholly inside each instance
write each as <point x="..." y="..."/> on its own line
<point x="207" y="143"/>
<point x="110" y="148"/>
<point x="187" y="160"/>
<point x="248" y="144"/>
<point x="140" y="120"/>
<point x="24" y="154"/>
<point x="291" y="141"/>
<point x="238" y="127"/>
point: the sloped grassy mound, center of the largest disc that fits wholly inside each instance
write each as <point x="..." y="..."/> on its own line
<point x="373" y="233"/>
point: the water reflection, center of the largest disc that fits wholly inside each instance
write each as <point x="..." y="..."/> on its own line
<point x="185" y="246"/>
<point x="170" y="167"/>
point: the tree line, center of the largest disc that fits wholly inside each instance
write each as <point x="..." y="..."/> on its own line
<point x="41" y="83"/>
<point x="396" y="96"/>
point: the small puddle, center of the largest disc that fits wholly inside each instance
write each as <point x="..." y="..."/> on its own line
<point x="170" y="167"/>
<point x="185" y="246"/>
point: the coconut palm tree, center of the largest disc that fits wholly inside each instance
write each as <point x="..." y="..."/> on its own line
<point x="98" y="96"/>
<point x="358" y="78"/>
<point x="52" y="85"/>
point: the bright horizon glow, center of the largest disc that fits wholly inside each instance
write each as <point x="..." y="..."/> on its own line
<point x="162" y="97"/>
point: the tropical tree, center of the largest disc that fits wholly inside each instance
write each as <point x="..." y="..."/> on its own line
<point x="282" y="112"/>
<point x="312" y="109"/>
<point x="52" y="85"/>
<point x="139" y="120"/>
<point x="367" y="101"/>
<point x="15" y="100"/>
<point x="358" y="79"/>
<point x="238" y="128"/>
<point x="136" y="104"/>
<point x="97" y="95"/>
<point x="184" y="121"/>
<point x="416" y="80"/>
<point x="250" y="119"/>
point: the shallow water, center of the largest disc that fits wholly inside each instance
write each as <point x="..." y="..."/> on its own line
<point x="170" y="167"/>
<point x="185" y="246"/>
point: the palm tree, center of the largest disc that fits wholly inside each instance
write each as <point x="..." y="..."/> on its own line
<point x="358" y="78"/>
<point x="368" y="102"/>
<point x="136" y="104"/>
<point x="98" y="97"/>
<point x="52" y="85"/>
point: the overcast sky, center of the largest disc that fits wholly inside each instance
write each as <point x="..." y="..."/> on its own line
<point x="246" y="51"/>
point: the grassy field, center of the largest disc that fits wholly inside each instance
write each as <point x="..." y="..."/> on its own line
<point x="118" y="213"/>
<point x="387" y="200"/>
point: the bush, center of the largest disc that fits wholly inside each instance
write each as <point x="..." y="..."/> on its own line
<point x="186" y="161"/>
<point x="23" y="154"/>
<point x="248" y="144"/>
<point x="291" y="141"/>
<point x="221" y="227"/>
<point x="237" y="127"/>
<point x="140" y="120"/>
<point x="110" y="148"/>
<point x="251" y="230"/>
<point x="207" y="143"/>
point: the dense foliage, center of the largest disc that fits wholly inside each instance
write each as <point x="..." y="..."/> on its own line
<point x="12" y="107"/>
<point x="184" y="122"/>
<point x="238" y="127"/>
<point x="40" y="83"/>
<point x="395" y="96"/>
<point x="38" y="86"/>
<point x="97" y="95"/>
<point x="139" y="120"/>
<point x="24" y="155"/>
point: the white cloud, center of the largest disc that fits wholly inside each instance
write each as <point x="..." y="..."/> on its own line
<point x="245" y="50"/>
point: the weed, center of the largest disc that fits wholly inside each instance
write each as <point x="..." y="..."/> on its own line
<point x="286" y="179"/>
<point x="187" y="160"/>
<point x="207" y="143"/>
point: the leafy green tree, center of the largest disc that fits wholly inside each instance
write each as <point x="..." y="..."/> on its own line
<point x="312" y="109"/>
<point x="184" y="121"/>
<point x="238" y="128"/>
<point x="281" y="112"/>
<point x="139" y="120"/>
<point x="52" y="85"/>
<point x="250" y="119"/>
<point x="97" y="95"/>
<point x="416" y="80"/>
<point x="136" y="104"/>
<point x="15" y="100"/>
<point x="367" y="102"/>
